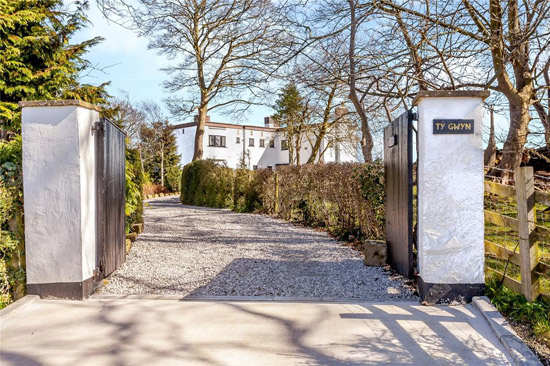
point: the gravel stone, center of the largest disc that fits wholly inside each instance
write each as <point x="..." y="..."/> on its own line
<point x="187" y="250"/>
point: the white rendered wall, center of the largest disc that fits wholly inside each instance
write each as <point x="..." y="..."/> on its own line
<point x="262" y="157"/>
<point x="271" y="156"/>
<point x="185" y="141"/>
<point x="59" y="189"/>
<point x="87" y="156"/>
<point x="450" y="194"/>
<point x="231" y="153"/>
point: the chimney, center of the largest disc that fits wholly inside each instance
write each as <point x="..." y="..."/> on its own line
<point x="269" y="122"/>
<point x="196" y="118"/>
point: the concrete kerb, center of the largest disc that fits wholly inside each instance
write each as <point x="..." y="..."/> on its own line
<point x="518" y="351"/>
<point x="17" y="306"/>
<point x="332" y="300"/>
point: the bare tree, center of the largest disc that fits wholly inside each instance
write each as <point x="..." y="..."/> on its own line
<point x="498" y="45"/>
<point x="127" y="115"/>
<point x="542" y="104"/>
<point x="219" y="50"/>
<point x="490" y="153"/>
<point x="321" y="74"/>
<point x="377" y="71"/>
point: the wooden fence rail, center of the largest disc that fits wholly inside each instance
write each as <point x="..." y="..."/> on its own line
<point x="525" y="224"/>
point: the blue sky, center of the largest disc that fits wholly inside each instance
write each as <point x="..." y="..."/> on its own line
<point x="132" y="68"/>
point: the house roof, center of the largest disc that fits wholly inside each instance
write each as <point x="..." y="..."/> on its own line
<point x="226" y="125"/>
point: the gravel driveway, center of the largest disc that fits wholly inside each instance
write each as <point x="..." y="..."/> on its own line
<point x="203" y="251"/>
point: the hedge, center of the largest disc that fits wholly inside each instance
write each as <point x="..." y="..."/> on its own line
<point x="134" y="189"/>
<point x="345" y="199"/>
<point x="12" y="246"/>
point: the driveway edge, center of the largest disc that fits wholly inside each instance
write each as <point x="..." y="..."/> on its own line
<point x="279" y="299"/>
<point x="22" y="303"/>
<point x="518" y="351"/>
<point x="8" y="311"/>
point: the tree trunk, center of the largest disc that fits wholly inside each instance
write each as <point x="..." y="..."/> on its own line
<point x="366" y="137"/>
<point x="315" y="150"/>
<point x="290" y="147"/>
<point x="544" y="113"/>
<point x="367" y="143"/>
<point x="298" y="146"/>
<point x="512" y="151"/>
<point x="323" y="128"/>
<point x="199" y="133"/>
<point x="545" y="120"/>
<point x="162" y="164"/>
<point x="490" y="154"/>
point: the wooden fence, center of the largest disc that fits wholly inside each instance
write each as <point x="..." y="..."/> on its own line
<point x="528" y="230"/>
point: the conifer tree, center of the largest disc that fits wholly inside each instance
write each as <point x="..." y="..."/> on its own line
<point x="161" y="158"/>
<point x="292" y="114"/>
<point x="37" y="58"/>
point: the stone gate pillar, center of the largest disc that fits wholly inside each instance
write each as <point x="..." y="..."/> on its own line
<point x="59" y="182"/>
<point x="450" y="195"/>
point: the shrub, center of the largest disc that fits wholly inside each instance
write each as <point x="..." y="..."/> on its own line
<point x="12" y="260"/>
<point x="172" y="178"/>
<point x="151" y="189"/>
<point x="248" y="188"/>
<point x="204" y="183"/>
<point x="346" y="199"/>
<point x="134" y="191"/>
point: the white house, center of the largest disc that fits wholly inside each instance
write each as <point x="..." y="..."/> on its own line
<point x="261" y="146"/>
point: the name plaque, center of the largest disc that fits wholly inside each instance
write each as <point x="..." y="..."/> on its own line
<point x="453" y="126"/>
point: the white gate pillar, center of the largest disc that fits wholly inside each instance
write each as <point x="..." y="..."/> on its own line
<point x="450" y="195"/>
<point x="59" y="182"/>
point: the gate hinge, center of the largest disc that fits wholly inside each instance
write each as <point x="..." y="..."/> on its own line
<point x="98" y="126"/>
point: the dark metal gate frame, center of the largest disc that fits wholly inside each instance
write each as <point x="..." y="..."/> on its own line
<point x="398" y="169"/>
<point x="111" y="197"/>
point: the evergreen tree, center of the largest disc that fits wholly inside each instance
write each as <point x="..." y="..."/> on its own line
<point x="37" y="60"/>
<point x="291" y="113"/>
<point x="161" y="160"/>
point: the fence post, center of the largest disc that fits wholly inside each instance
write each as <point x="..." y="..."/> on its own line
<point x="528" y="250"/>
<point x="276" y="192"/>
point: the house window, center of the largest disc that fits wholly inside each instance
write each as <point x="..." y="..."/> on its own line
<point x="182" y="131"/>
<point x="250" y="142"/>
<point x="284" y="144"/>
<point x="216" y="141"/>
<point x="254" y="167"/>
<point x="272" y="144"/>
<point x="262" y="143"/>
<point x="269" y="167"/>
<point x="220" y="162"/>
<point x="238" y="140"/>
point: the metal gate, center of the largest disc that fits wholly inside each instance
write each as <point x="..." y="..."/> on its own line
<point x="111" y="196"/>
<point x="398" y="156"/>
